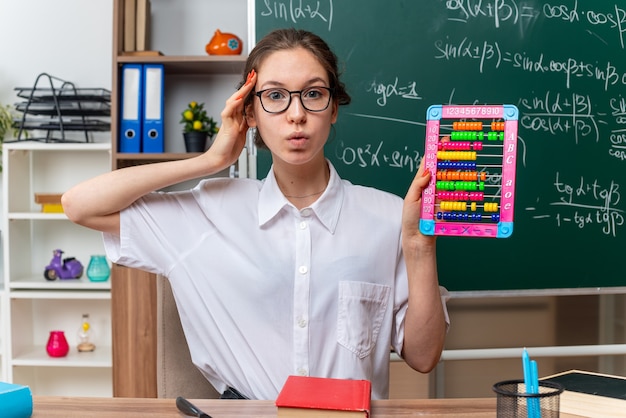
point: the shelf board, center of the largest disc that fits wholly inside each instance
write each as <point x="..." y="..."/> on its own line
<point x="37" y="216"/>
<point x="36" y="356"/>
<point x="59" y="295"/>
<point x="56" y="146"/>
<point x="38" y="282"/>
<point x="130" y="159"/>
<point x="192" y="64"/>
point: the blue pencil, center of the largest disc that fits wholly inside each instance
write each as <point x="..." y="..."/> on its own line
<point x="534" y="388"/>
<point x="527" y="380"/>
<point x="531" y="381"/>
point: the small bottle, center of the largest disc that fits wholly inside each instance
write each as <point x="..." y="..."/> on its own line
<point x="84" y="336"/>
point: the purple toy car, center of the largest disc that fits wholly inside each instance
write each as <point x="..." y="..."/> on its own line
<point x="68" y="268"/>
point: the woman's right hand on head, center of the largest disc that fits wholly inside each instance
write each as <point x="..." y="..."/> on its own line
<point x="231" y="137"/>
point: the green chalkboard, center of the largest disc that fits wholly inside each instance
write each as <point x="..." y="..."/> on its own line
<point x="562" y="63"/>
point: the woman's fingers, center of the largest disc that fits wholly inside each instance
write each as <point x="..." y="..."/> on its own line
<point x="231" y="137"/>
<point x="246" y="88"/>
<point x="420" y="182"/>
<point x="233" y="113"/>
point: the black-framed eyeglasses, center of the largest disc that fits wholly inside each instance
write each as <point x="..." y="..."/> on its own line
<point x="277" y="100"/>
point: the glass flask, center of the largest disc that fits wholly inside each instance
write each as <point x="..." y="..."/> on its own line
<point x="85" y="335"/>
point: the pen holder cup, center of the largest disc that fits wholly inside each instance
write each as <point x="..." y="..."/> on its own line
<point x="513" y="401"/>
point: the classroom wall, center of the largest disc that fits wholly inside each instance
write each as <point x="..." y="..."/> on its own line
<point x="70" y="39"/>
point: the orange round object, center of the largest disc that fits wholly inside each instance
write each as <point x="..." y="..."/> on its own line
<point x="224" y="44"/>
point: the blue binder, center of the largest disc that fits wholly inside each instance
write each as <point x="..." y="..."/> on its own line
<point x="131" y="108"/>
<point x="152" y="138"/>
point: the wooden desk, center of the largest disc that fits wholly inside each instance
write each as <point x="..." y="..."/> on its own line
<point x="60" y="407"/>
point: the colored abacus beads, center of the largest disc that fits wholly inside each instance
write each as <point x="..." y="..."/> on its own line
<point x="456" y="155"/>
<point x="473" y="196"/>
<point x="460" y="185"/>
<point x="456" y="165"/>
<point x="495" y="136"/>
<point x="490" y="207"/>
<point x="497" y="126"/>
<point x="467" y="126"/>
<point x="461" y="175"/>
<point x="460" y="145"/>
<point x="476" y="136"/>
<point x="466" y="136"/>
<point x="445" y="205"/>
<point x="451" y="206"/>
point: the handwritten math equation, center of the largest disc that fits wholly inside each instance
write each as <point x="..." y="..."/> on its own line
<point x="583" y="204"/>
<point x="295" y="11"/>
<point x="577" y="116"/>
<point x="571" y="114"/>
<point x="607" y="74"/>
<point x="618" y="134"/>
<point x="377" y="154"/>
<point x="524" y="15"/>
<point x="386" y="90"/>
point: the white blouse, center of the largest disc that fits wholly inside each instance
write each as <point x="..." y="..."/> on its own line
<point x="265" y="290"/>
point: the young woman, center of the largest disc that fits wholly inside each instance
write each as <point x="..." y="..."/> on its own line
<point x="301" y="273"/>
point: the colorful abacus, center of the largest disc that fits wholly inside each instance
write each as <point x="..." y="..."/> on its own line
<point x="472" y="186"/>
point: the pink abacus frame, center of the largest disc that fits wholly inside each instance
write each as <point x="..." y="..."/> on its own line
<point x="429" y="224"/>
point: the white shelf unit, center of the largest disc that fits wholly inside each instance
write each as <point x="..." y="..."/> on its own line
<point x="3" y="357"/>
<point x="34" y="306"/>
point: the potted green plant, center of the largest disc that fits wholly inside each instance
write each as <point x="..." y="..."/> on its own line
<point x="7" y="126"/>
<point x="198" y="127"/>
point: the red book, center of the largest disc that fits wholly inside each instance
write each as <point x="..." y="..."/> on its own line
<point x="304" y="396"/>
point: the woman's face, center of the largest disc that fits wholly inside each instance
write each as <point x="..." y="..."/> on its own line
<point x="295" y="136"/>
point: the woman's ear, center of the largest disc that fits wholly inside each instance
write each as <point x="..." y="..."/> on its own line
<point x="250" y="119"/>
<point x="335" y="112"/>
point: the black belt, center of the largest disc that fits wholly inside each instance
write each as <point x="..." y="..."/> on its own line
<point x="232" y="393"/>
